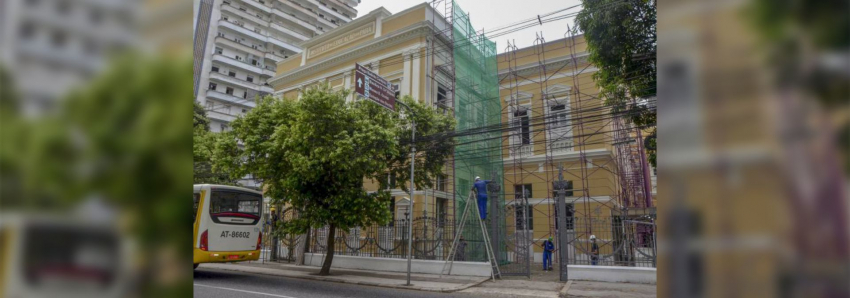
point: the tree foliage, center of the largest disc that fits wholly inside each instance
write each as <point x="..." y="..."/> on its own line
<point x="622" y="40"/>
<point x="203" y="142"/>
<point x="314" y="154"/>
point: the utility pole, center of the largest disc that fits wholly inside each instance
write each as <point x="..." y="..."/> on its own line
<point x="560" y="188"/>
<point x="412" y="190"/>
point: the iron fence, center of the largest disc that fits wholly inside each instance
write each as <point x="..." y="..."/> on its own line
<point x="609" y="241"/>
<point x="619" y="242"/>
<point x="431" y="239"/>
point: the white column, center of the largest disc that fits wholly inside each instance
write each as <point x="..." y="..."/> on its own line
<point x="405" y="81"/>
<point x="346" y="80"/>
<point x="414" y="77"/>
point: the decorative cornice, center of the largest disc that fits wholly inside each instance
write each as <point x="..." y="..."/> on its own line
<point x="413" y="31"/>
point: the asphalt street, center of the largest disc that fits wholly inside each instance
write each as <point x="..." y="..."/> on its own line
<point x="221" y="284"/>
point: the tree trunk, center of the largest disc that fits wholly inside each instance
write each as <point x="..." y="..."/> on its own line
<point x="301" y="248"/>
<point x="329" y="254"/>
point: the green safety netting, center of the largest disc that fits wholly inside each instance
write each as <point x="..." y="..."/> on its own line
<point x="477" y="107"/>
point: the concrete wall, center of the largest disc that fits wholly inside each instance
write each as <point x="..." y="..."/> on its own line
<point x="612" y="274"/>
<point x="398" y="265"/>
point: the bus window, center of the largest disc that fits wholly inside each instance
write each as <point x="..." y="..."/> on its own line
<point x="197" y="200"/>
<point x="234" y="204"/>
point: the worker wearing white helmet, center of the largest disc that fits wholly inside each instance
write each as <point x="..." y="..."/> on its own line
<point x="480" y="187"/>
<point x="594" y="250"/>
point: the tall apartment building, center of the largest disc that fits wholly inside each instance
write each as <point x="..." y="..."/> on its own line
<point x="51" y="47"/>
<point x="239" y="42"/>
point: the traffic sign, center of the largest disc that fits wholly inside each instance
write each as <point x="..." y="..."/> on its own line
<point x="372" y="86"/>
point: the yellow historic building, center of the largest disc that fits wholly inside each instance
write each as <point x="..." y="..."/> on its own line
<point x="403" y="48"/>
<point x="543" y="113"/>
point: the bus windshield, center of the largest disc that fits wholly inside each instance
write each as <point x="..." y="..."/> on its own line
<point x="232" y="203"/>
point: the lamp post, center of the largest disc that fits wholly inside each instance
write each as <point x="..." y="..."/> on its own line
<point x="412" y="189"/>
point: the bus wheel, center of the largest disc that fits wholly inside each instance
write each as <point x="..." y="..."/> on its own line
<point x="196" y="267"/>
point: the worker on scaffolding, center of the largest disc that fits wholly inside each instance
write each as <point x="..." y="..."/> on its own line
<point x="480" y="187"/>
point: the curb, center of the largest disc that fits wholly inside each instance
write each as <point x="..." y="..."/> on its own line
<point x="364" y="283"/>
<point x="565" y="289"/>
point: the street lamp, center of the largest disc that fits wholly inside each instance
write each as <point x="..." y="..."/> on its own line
<point x="412" y="189"/>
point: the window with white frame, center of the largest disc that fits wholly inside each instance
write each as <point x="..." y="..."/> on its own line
<point x="560" y="118"/>
<point x="522" y="125"/>
<point x="442" y="96"/>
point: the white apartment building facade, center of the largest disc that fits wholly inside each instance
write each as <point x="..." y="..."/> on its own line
<point x="238" y="43"/>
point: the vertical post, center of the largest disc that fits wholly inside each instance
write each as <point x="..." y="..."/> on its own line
<point x="493" y="190"/>
<point x="412" y="190"/>
<point x="560" y="186"/>
<point x="527" y="237"/>
<point x="655" y="245"/>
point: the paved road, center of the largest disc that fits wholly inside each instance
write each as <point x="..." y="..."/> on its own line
<point x="220" y="284"/>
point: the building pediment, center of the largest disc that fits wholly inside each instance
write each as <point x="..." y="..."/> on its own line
<point x="417" y="30"/>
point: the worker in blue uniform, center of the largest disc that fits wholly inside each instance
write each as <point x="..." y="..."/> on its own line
<point x="548" y="248"/>
<point x="481" y="189"/>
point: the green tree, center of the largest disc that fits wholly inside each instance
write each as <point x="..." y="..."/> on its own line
<point x="621" y="39"/>
<point x="314" y="153"/>
<point x="203" y="142"/>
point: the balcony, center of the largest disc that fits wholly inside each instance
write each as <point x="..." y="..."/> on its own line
<point x="522" y="151"/>
<point x="244" y="14"/>
<point x="259" y="6"/>
<point x="235" y="81"/>
<point x="235" y="44"/>
<point x="220" y="116"/>
<point x="347" y="8"/>
<point x="242" y="30"/>
<point x="275" y="39"/>
<point x="300" y="37"/>
<point x="269" y="70"/>
<point x="300" y="8"/>
<point x="274" y="56"/>
<point x="279" y="41"/>
<point x="325" y="23"/>
<point x="255" y="69"/>
<point x="294" y="19"/>
<point x="245" y="102"/>
<point x="561" y="146"/>
<point x="330" y="11"/>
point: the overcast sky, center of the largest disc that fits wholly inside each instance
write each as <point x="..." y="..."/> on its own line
<point x="492" y="14"/>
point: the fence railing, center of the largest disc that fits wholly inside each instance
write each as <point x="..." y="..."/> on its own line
<point x="619" y="242"/>
<point x="431" y="239"/>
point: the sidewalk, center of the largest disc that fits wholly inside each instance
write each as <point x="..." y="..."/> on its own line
<point x="477" y="286"/>
<point x="608" y="290"/>
<point x="421" y="282"/>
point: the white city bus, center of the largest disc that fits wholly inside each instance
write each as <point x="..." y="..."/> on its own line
<point x="227" y="224"/>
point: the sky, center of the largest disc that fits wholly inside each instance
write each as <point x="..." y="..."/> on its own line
<point x="492" y="14"/>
